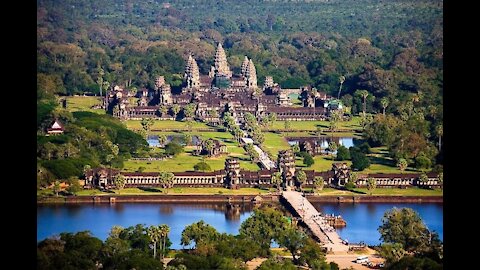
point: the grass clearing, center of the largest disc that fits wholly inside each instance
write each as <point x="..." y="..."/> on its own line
<point x="353" y="125"/>
<point x="167" y="125"/>
<point x="83" y="103"/>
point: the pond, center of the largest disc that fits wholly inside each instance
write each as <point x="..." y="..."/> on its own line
<point x="362" y="219"/>
<point x="153" y="140"/>
<point x="325" y="140"/>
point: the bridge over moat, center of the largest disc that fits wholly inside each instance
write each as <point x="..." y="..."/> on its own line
<point x="317" y="224"/>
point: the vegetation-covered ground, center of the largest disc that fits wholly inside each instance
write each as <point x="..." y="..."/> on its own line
<point x="83" y="103"/>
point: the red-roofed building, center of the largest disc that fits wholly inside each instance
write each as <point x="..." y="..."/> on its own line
<point x="55" y="128"/>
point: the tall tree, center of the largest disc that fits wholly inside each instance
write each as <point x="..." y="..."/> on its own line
<point x="384" y="102"/>
<point x="342" y="80"/>
<point x="293" y="240"/>
<point x="318" y="182"/>
<point x="175" y="110"/>
<point x="101" y="72"/>
<point x="147" y="123"/>
<point x="164" y="230"/>
<point x="371" y="184"/>
<point x="56" y="188"/>
<point x="277" y="179"/>
<point x="363" y="94"/>
<point x="404" y="226"/>
<point x="153" y="233"/>
<point x="119" y="181"/>
<point x="439" y="133"/>
<point x="332" y="147"/>
<point x="402" y="164"/>
<point x="301" y="177"/>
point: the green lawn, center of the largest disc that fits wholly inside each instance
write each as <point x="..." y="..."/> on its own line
<point x="166" y="124"/>
<point x="312" y="125"/>
<point x="186" y="161"/>
<point x="82" y="103"/>
<point x="322" y="163"/>
<point x="274" y="143"/>
<point x="382" y="163"/>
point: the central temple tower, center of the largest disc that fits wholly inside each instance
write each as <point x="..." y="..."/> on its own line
<point x="221" y="67"/>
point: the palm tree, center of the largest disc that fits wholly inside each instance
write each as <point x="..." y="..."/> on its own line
<point x="371" y="184"/>
<point x="169" y="178"/>
<point x="277" y="179"/>
<point x="342" y="80"/>
<point x="175" y="110"/>
<point x="295" y="148"/>
<point x="314" y="93"/>
<point x="439" y="132"/>
<point x="384" y="102"/>
<point x="163" y="110"/>
<point x="209" y="145"/>
<point x="101" y="72"/>
<point x="318" y="182"/>
<point x="364" y="95"/>
<point x="402" y="164"/>
<point x="119" y="181"/>
<point x="332" y="147"/>
<point x="56" y="187"/>
<point x="301" y="177"/>
<point x="440" y="179"/>
<point x="153" y="233"/>
<point x="164" y="229"/>
<point x="162" y="139"/>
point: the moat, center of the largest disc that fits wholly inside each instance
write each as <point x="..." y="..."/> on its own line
<point x="362" y="219"/>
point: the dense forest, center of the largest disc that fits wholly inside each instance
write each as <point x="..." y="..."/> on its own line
<point x="391" y="49"/>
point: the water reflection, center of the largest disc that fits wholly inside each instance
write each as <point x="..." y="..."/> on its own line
<point x="99" y="218"/>
<point x="363" y="219"/>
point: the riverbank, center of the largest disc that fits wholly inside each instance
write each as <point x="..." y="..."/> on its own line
<point x="234" y="199"/>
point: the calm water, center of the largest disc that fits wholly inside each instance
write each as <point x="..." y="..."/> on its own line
<point x="362" y="219"/>
<point x="152" y="140"/>
<point x="324" y="141"/>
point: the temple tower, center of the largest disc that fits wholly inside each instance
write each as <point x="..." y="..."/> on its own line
<point x="286" y="165"/>
<point x="192" y="73"/>
<point x="232" y="169"/>
<point x="245" y="66"/>
<point x="159" y="82"/>
<point x="268" y="82"/>
<point x="221" y="64"/>
<point x="251" y="75"/>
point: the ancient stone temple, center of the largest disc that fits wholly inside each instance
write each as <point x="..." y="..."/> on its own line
<point x="286" y="165"/>
<point x="192" y="73"/>
<point x="268" y="82"/>
<point x="341" y="172"/>
<point x="218" y="92"/>
<point x="221" y="65"/>
<point x="232" y="169"/>
<point x="251" y="75"/>
<point x="244" y="66"/>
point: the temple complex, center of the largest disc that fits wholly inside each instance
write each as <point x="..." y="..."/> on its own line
<point x="220" y="90"/>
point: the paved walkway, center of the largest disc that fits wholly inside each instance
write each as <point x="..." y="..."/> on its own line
<point x="317" y="224"/>
<point x="263" y="157"/>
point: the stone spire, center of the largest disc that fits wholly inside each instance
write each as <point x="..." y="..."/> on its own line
<point x="188" y="66"/>
<point x="251" y="75"/>
<point x="221" y="64"/>
<point x="159" y="82"/>
<point x="192" y="73"/>
<point x="268" y="82"/>
<point x="245" y="66"/>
